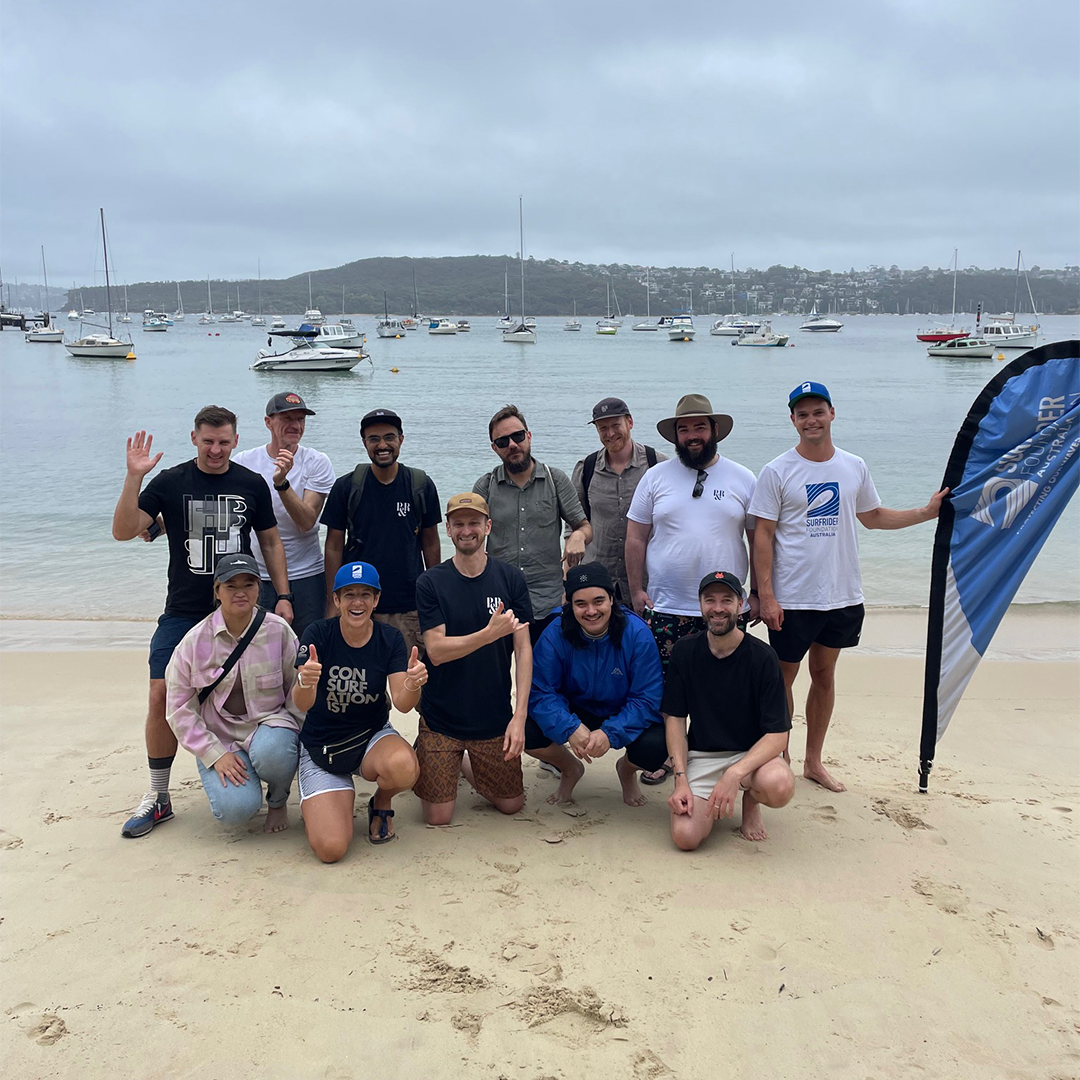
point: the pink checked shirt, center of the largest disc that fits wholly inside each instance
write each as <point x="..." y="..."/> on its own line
<point x="267" y="670"/>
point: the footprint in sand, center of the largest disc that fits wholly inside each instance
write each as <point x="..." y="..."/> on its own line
<point x="947" y="898"/>
<point x="9" y="843"/>
<point x="826" y="814"/>
<point x="1063" y="809"/>
<point x="49" y="1029"/>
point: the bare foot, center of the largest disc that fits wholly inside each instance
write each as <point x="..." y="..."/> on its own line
<point x="564" y="793"/>
<point x="753" y="826"/>
<point x="820" y="775"/>
<point x="632" y="794"/>
<point x="277" y="819"/>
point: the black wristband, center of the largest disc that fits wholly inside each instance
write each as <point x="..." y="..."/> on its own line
<point x="283" y="487"/>
<point x="285" y="596"/>
<point x="753" y="592"/>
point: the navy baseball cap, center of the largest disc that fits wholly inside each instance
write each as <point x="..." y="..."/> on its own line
<point x="380" y="416"/>
<point x="357" y="573"/>
<point x="234" y="565"/>
<point x="721" y="577"/>
<point x="808" y="389"/>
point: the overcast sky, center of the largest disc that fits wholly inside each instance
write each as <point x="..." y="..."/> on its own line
<point x="311" y="134"/>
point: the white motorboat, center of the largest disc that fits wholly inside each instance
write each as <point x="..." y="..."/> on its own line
<point x="307" y="354"/>
<point x="73" y="315"/>
<point x="819" y="324"/>
<point x="1005" y="334"/>
<point x="155" y="325"/>
<point x="277" y="323"/>
<point x="257" y="320"/>
<point x="102" y="346"/>
<point x="761" y="338"/>
<point x="969" y="348"/>
<point x="48" y="335"/>
<point x="524" y="333"/>
<point x="340" y="337"/>
<point x="409" y="323"/>
<point x="733" y="326"/>
<point x="441" y="326"/>
<point x="681" y="329"/>
<point x="463" y="326"/>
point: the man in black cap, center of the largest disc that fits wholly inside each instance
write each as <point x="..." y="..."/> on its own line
<point x="388" y="515"/>
<point x="300" y="479"/>
<point x="605" y="482"/>
<point x="730" y="686"/>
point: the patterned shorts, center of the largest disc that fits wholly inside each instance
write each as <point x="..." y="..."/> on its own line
<point x="440" y="767"/>
<point x="667" y="629"/>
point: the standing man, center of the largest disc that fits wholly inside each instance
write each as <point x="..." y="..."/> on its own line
<point x="209" y="507"/>
<point x="474" y="612"/>
<point x="529" y="502"/>
<point x="730" y="686"/>
<point x="385" y="514"/>
<point x="300" y="478"/>
<point x="605" y="482"/>
<point x="806" y="553"/>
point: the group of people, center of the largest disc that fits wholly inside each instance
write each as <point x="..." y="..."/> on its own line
<point x="607" y="611"/>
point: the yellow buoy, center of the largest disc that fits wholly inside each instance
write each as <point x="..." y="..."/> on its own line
<point x="130" y="356"/>
<point x="394" y="370"/>
<point x="1001" y="356"/>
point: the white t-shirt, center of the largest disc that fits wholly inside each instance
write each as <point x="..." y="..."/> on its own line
<point x="692" y="537"/>
<point x="311" y="471"/>
<point x="816" y="547"/>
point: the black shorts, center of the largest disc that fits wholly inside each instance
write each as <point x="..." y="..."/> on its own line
<point x="648" y="751"/>
<point x="836" y="629"/>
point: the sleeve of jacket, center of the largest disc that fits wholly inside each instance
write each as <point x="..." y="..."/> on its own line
<point x="182" y="709"/>
<point x="642" y="705"/>
<point x="548" y="704"/>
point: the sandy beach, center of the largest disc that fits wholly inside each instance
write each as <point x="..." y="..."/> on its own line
<point x="877" y="933"/>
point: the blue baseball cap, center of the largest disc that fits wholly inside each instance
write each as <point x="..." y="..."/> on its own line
<point x="357" y="573"/>
<point x="808" y="389"/>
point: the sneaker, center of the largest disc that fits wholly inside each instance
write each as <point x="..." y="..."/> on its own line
<point x="553" y="769"/>
<point x="155" y="808"/>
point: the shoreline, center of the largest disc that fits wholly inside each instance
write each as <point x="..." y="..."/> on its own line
<point x="1037" y="631"/>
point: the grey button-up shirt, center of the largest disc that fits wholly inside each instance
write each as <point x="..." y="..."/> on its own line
<point x="526" y="528"/>
<point x="610" y="495"/>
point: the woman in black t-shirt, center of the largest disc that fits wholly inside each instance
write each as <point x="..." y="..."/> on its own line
<point x="349" y="670"/>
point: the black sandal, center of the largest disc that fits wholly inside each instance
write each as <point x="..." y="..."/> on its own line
<point x="665" y="771"/>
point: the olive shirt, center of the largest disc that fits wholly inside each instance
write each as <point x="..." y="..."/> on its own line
<point x="526" y="528"/>
<point x="610" y="494"/>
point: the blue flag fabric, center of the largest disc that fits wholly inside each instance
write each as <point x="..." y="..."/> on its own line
<point x="1014" y="466"/>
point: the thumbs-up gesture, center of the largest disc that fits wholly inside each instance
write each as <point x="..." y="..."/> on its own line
<point x="310" y="671"/>
<point x="416" y="672"/>
<point x="503" y="622"/>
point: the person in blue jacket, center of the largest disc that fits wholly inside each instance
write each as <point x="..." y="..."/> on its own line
<point x="596" y="686"/>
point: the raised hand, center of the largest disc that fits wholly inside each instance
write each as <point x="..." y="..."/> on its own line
<point x="283" y="463"/>
<point x="503" y="622"/>
<point x="309" y="673"/>
<point x="416" y="671"/>
<point x="139" y="461"/>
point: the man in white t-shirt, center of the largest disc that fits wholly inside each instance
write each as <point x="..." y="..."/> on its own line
<point x="299" y="478"/>
<point x="688" y="516"/>
<point x="806" y="553"/>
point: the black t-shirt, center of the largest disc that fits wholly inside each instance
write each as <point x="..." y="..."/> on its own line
<point x="351" y="700"/>
<point x="207" y="516"/>
<point x="731" y="702"/>
<point x="384" y="532"/>
<point x="470" y="698"/>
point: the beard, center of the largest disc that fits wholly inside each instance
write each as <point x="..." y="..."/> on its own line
<point x="721" y="626"/>
<point x="519" y="466"/>
<point x="696" y="460"/>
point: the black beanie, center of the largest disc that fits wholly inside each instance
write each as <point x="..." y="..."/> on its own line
<point x="592" y="575"/>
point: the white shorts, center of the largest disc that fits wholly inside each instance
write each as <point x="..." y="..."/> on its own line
<point x="315" y="780"/>
<point x="703" y="770"/>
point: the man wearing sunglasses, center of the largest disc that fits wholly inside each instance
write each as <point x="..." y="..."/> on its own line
<point x="388" y="515"/>
<point x="688" y="516"/>
<point x="529" y="501"/>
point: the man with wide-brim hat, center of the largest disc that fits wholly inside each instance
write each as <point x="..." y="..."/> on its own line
<point x="688" y="516"/>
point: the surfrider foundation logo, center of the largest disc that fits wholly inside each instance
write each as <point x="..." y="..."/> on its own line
<point x="822" y="500"/>
<point x="1002" y="492"/>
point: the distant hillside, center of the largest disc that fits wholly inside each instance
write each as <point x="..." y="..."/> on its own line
<point x="473" y="285"/>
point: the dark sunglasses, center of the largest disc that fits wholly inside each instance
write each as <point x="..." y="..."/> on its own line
<point x="503" y="441"/>
<point x="699" y="487"/>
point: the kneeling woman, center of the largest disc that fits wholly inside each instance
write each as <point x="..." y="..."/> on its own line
<point x="346" y="666"/>
<point x="597" y="685"/>
<point x="239" y="723"/>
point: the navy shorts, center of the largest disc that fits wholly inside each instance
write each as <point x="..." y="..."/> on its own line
<point x="169" y="633"/>
<point x="836" y="629"/>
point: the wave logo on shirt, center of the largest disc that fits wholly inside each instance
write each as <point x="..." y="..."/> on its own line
<point x="822" y="500"/>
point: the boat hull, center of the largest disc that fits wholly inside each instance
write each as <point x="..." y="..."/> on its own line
<point x="46" y="337"/>
<point x="308" y="359"/>
<point x="118" y="351"/>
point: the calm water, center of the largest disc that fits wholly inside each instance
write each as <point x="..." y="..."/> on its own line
<point x="63" y="425"/>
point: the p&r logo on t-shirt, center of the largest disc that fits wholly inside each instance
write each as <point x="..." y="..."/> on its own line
<point x="492" y="604"/>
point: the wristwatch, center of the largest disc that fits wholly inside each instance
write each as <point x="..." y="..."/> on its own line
<point x="282" y="487"/>
<point x="284" y="596"/>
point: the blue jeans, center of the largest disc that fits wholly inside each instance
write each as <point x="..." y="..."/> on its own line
<point x="272" y="757"/>
<point x="309" y="600"/>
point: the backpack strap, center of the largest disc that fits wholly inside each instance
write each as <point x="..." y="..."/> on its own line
<point x="235" y="655"/>
<point x="650" y="457"/>
<point x="588" y="467"/>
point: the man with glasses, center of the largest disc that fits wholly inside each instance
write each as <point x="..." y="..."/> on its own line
<point x="388" y="515"/>
<point x="529" y="501"/>
<point x="688" y="515"/>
